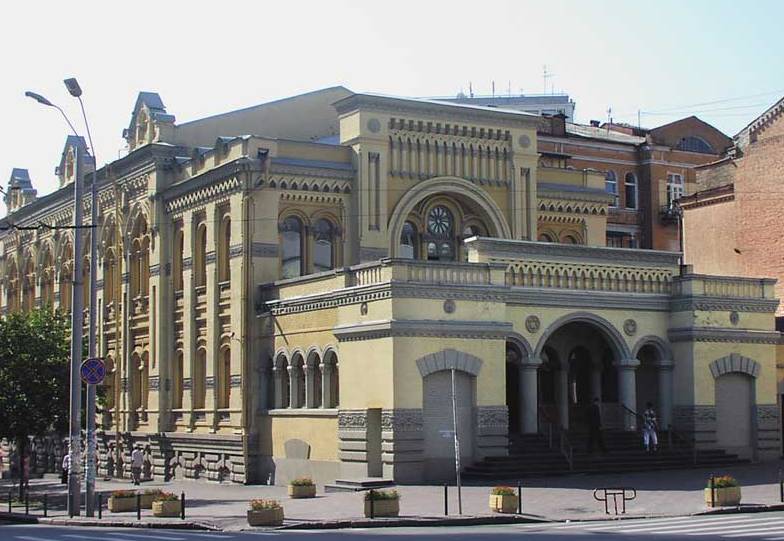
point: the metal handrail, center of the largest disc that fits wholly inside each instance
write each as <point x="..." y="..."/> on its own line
<point x="637" y="417"/>
<point x="554" y="428"/>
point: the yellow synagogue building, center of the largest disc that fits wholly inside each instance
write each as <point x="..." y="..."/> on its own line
<point x="288" y="289"/>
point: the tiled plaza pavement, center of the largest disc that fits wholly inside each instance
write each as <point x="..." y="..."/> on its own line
<point x="557" y="498"/>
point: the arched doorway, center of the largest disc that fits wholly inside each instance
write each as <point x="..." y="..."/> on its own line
<point x="595" y="363"/>
<point x="735" y="397"/>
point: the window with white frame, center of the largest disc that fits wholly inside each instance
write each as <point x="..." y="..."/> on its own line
<point x="630" y="190"/>
<point x="674" y="188"/>
<point x="611" y="187"/>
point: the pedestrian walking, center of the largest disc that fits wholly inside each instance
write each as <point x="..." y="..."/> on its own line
<point x="137" y="461"/>
<point x="650" y="427"/>
<point x="65" y="469"/>
<point x="595" y="427"/>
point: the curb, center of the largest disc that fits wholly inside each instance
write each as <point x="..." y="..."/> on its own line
<point x="754" y="508"/>
<point x="21" y="518"/>
<point x="397" y="522"/>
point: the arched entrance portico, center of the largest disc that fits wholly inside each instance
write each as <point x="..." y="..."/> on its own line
<point x="654" y="377"/>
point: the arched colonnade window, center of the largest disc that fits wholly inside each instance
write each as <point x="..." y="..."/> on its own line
<point x="306" y="381"/>
<point x="308" y="246"/>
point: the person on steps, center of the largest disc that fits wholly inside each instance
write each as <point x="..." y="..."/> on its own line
<point x="649" y="428"/>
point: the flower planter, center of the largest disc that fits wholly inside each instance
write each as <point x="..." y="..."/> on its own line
<point x="120" y="505"/>
<point x="302" y="491"/>
<point x="723" y="497"/>
<point x="147" y="500"/>
<point x="503" y="503"/>
<point x="383" y="508"/>
<point x="171" y="508"/>
<point x="265" y="517"/>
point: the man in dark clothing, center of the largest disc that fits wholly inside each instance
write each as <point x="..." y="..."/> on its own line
<point x="595" y="427"/>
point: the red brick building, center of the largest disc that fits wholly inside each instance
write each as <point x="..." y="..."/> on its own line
<point x="646" y="170"/>
<point x="733" y="221"/>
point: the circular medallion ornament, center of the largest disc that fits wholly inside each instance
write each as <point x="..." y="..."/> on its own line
<point x="532" y="323"/>
<point x="524" y="141"/>
<point x="374" y="125"/>
<point x="363" y="308"/>
<point x="630" y="327"/>
<point x="449" y="306"/>
<point x="734" y="317"/>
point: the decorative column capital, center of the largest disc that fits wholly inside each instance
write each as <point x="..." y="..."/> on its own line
<point x="531" y="363"/>
<point x="665" y="364"/>
<point x="627" y="364"/>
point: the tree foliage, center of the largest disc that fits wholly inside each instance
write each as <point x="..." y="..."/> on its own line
<point x="34" y="374"/>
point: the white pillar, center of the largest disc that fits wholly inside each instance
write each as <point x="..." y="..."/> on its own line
<point x="627" y="390"/>
<point x="528" y="395"/>
<point x="665" y="393"/>
<point x="563" y="396"/>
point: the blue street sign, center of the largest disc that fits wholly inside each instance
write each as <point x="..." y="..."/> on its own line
<point x="93" y="371"/>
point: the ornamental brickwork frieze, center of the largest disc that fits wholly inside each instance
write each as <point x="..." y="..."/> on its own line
<point x="402" y="420"/>
<point x="352" y="420"/>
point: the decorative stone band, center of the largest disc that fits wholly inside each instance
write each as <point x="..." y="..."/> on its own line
<point x="236" y="380"/>
<point x="352" y="420"/>
<point x="155" y="270"/>
<point x="187" y="384"/>
<point x="187" y="262"/>
<point x="734" y="363"/>
<point x="429" y="328"/>
<point x="402" y="420"/>
<point x="235" y="251"/>
<point x="210" y="257"/>
<point x="209" y="382"/>
<point x="710" y="334"/>
<point x="154" y="383"/>
<point x="264" y="249"/>
<point x="449" y="359"/>
<point x="723" y="304"/>
<point x="627" y="364"/>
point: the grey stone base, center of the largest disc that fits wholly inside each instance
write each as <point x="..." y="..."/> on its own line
<point x="321" y="471"/>
<point x="169" y="455"/>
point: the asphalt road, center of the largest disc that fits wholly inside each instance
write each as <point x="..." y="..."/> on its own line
<point x="757" y="526"/>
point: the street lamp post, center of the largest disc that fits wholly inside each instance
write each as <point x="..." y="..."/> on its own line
<point x="75" y="444"/>
<point x="76" y="91"/>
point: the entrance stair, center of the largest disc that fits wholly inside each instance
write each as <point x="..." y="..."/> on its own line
<point x="531" y="455"/>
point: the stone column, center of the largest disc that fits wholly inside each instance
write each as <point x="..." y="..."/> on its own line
<point x="528" y="395"/>
<point x="627" y="389"/>
<point x="596" y="382"/>
<point x="665" y="393"/>
<point x="326" y="385"/>
<point x="563" y="396"/>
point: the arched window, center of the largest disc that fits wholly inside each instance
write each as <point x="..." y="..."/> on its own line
<point x="109" y="273"/>
<point x="611" y="187"/>
<point x="177" y="380"/>
<point x="569" y="239"/>
<point x="694" y="143"/>
<point x="179" y="249"/>
<point x="66" y="277"/>
<point x="282" y="383"/>
<point x="223" y="250"/>
<point x="292" y="262"/>
<point x="12" y="292"/>
<point x="224" y="379"/>
<point x="136" y="382"/>
<point x="630" y="187"/>
<point x="323" y="245"/>
<point x="199" y="380"/>
<point x="440" y="227"/>
<point x="313" y="381"/>
<point x="329" y="380"/>
<point x="140" y="259"/>
<point x="28" y="286"/>
<point x="544" y="237"/>
<point x="108" y="383"/>
<point x="47" y="280"/>
<point x="297" y="377"/>
<point x="408" y="241"/>
<point x="200" y="256"/>
<point x="86" y="282"/>
<point x="144" y="369"/>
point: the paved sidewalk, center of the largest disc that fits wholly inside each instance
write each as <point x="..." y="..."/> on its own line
<point x="668" y="493"/>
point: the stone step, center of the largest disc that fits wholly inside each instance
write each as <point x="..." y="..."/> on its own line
<point x="358" y="485"/>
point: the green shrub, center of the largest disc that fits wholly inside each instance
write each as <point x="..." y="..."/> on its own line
<point x="302" y="482"/>
<point x="376" y="495"/>
<point x="724" y="481"/>
<point x="262" y="505"/>
<point x="153" y="491"/>
<point x="502" y="491"/>
<point x="123" y="493"/>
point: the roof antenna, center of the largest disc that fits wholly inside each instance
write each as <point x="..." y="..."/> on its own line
<point x="470" y="89"/>
<point x="609" y="118"/>
<point x="546" y="75"/>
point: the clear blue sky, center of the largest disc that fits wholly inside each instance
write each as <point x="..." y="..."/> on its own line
<point x="721" y="60"/>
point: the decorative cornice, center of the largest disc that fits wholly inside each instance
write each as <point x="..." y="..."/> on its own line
<point x="711" y="334"/>
<point x="620" y="256"/>
<point x="723" y="304"/>
<point x="426" y="327"/>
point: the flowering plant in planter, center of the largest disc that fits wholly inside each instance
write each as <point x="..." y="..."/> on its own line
<point x="382" y="503"/>
<point x="503" y="500"/>
<point x="722" y="491"/>
<point x="122" y="500"/>
<point x="166" y="504"/>
<point x="265" y="513"/>
<point x="302" y="487"/>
